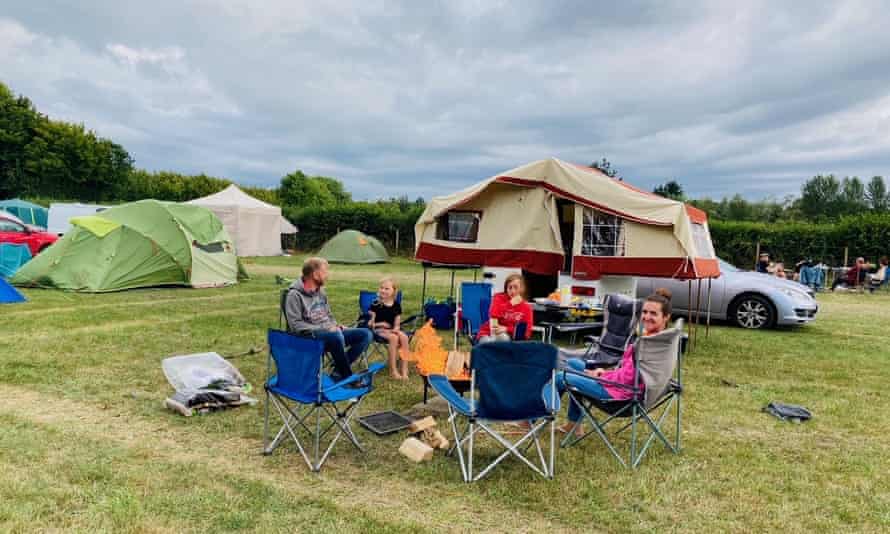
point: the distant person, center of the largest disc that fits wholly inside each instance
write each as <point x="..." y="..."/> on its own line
<point x="309" y="314"/>
<point x="762" y="263"/>
<point x="779" y="270"/>
<point x="507" y="311"/>
<point x="386" y="322"/>
<point x="880" y="276"/>
<point x="854" y="276"/>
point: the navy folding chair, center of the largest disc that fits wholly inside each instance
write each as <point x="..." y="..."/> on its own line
<point x="475" y="301"/>
<point x="621" y="316"/>
<point x="515" y="382"/>
<point x="657" y="387"/>
<point x="300" y="389"/>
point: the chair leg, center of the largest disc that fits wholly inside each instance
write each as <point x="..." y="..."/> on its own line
<point x="266" y="450"/>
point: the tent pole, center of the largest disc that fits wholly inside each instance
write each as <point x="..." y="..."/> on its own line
<point x="452" y="283"/>
<point x="689" y="315"/>
<point x="708" y="324"/>
<point x="697" y="307"/>
<point x="423" y="294"/>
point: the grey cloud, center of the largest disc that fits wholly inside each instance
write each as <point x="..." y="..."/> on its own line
<point x="426" y="97"/>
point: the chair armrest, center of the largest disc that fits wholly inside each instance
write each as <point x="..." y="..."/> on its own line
<point x="444" y="388"/>
<point x="603" y="381"/>
<point x="593" y="340"/>
<point x="411" y="319"/>
<point x="373" y="369"/>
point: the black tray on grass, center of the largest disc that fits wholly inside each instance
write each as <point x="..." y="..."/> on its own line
<point x="382" y="423"/>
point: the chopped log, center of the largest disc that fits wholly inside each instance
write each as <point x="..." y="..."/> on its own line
<point x="422" y="424"/>
<point x="416" y="450"/>
<point x="434" y="438"/>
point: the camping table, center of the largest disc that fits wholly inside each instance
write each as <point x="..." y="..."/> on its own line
<point x="559" y="319"/>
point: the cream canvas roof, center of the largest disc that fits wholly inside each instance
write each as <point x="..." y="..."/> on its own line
<point x="582" y="185"/>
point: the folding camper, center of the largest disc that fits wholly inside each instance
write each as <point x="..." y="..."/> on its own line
<point x="561" y="223"/>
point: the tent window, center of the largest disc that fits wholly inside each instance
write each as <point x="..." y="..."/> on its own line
<point x="604" y="234"/>
<point x="460" y="226"/>
<point x="703" y="245"/>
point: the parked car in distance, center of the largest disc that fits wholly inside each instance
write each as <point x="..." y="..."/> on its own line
<point x="13" y="230"/>
<point x="744" y="298"/>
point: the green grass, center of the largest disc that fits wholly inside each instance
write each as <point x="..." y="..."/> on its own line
<point x="86" y="445"/>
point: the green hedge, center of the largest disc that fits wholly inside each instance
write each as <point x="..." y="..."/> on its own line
<point x="866" y="235"/>
<point x="317" y="225"/>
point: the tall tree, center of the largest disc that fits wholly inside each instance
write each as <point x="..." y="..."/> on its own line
<point x="820" y="197"/>
<point x="876" y="194"/>
<point x="672" y="189"/>
<point x="852" y="196"/>
<point x="605" y="167"/>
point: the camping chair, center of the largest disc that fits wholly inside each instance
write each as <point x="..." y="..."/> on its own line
<point x="300" y="389"/>
<point x="658" y="360"/>
<point x="515" y="382"/>
<point x="475" y="302"/>
<point x="365" y="300"/>
<point x="621" y="315"/>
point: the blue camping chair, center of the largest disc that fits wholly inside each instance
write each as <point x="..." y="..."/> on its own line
<point x="365" y="300"/>
<point x="657" y="387"/>
<point x="300" y="389"/>
<point x="515" y="382"/>
<point x="475" y="302"/>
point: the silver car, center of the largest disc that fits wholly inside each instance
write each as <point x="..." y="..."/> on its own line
<point x="745" y="298"/>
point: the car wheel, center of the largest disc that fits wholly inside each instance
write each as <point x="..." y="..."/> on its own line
<point x="753" y="311"/>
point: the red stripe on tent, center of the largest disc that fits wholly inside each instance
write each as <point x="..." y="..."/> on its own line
<point x="530" y="260"/>
<point x="575" y="198"/>
<point x="593" y="268"/>
<point x="696" y="215"/>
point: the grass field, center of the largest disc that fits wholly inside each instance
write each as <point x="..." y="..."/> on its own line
<point x="86" y="445"/>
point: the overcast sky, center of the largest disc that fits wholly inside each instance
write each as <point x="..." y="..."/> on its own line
<point x="423" y="98"/>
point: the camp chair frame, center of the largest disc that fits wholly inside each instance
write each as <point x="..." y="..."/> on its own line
<point x="297" y="412"/>
<point x="633" y="409"/>
<point x="464" y="441"/>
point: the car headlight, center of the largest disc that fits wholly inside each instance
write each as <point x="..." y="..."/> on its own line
<point x="796" y="295"/>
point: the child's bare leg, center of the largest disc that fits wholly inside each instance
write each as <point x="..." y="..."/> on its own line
<point x="403" y="343"/>
<point x="392" y="346"/>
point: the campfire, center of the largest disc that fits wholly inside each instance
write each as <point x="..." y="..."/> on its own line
<point x="433" y="359"/>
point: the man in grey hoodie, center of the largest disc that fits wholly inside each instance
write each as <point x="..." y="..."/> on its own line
<point x="309" y="314"/>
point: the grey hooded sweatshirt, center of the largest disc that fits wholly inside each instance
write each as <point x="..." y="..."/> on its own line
<point x="307" y="311"/>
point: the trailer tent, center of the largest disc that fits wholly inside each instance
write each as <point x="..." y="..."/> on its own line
<point x="255" y="226"/>
<point x="141" y="244"/>
<point x="551" y="216"/>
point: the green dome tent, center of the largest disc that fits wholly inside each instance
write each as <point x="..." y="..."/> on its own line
<point x="141" y="244"/>
<point x="352" y="246"/>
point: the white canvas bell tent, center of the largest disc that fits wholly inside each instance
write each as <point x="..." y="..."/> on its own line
<point x="550" y="216"/>
<point x="253" y="225"/>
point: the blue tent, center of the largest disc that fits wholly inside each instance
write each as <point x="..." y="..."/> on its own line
<point x="12" y="257"/>
<point x="28" y="212"/>
<point x="9" y="294"/>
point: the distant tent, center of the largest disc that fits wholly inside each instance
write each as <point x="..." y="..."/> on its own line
<point x="255" y="226"/>
<point x="352" y="246"/>
<point x="8" y="294"/>
<point x="28" y="212"/>
<point x="12" y="257"/>
<point x="141" y="244"/>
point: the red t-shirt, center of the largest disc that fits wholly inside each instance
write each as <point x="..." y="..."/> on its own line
<point x="508" y="316"/>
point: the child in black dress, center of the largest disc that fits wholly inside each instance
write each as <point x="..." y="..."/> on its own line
<point x="386" y="317"/>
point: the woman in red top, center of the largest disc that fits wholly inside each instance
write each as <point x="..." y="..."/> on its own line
<point x="508" y="309"/>
<point x="655" y="316"/>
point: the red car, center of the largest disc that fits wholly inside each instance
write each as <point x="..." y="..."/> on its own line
<point x="12" y="230"/>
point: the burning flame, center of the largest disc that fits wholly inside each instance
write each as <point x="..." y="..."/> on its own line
<point x="430" y="355"/>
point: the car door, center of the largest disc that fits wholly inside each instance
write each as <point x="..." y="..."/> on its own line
<point x="12" y="232"/>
